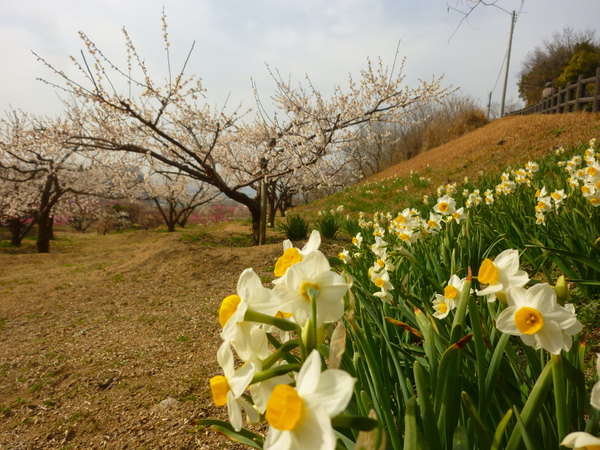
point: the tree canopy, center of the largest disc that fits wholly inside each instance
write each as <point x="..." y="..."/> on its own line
<point x="559" y="60"/>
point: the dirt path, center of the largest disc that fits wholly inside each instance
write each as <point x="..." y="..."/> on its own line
<point x="109" y="341"/>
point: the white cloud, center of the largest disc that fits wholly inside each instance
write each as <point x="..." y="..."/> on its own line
<point x="234" y="38"/>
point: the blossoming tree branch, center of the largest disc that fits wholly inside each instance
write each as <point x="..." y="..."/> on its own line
<point x="126" y="109"/>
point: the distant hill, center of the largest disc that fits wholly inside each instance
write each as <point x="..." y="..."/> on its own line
<point x="506" y="142"/>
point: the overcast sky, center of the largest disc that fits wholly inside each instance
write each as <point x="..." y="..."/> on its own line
<point x="326" y="39"/>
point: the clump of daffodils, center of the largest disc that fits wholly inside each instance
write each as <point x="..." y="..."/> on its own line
<point x="533" y="314"/>
<point x="285" y="384"/>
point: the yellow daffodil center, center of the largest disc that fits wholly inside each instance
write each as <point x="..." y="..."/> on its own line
<point x="380" y="263"/>
<point x="284" y="408"/>
<point x="431" y="223"/>
<point x="228" y="307"/>
<point x="592" y="171"/>
<point x="442" y="307"/>
<point x="307" y="289"/>
<point x="585" y="189"/>
<point x="529" y="320"/>
<point x="404" y="236"/>
<point x="488" y="272"/>
<point x="219" y="388"/>
<point x="379" y="282"/>
<point x="450" y="292"/>
<point x="354" y="241"/>
<point x="290" y="257"/>
<point x="443" y="206"/>
<point x="282" y="315"/>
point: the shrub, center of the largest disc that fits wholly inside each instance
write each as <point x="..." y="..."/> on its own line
<point x="296" y="228"/>
<point x="328" y="224"/>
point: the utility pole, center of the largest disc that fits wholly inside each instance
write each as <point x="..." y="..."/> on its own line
<point x="489" y="105"/>
<point x="512" y="26"/>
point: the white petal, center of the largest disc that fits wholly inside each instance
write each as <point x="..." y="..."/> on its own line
<point x="225" y="359"/>
<point x="248" y="282"/>
<point x="580" y="439"/>
<point x="241" y="379"/>
<point x="314" y="432"/>
<point x="506" y="321"/>
<point x="313" y="264"/>
<point x="252" y="415"/>
<point x="314" y="241"/>
<point x="517" y="296"/>
<point x="550" y="338"/>
<point x="333" y="392"/>
<point x="595" y="396"/>
<point x="491" y="289"/>
<point x="542" y="297"/>
<point x="234" y="412"/>
<point x="310" y="372"/>
<point x="508" y="261"/>
<point x="278" y="440"/>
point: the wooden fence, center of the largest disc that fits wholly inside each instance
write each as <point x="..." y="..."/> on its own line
<point x="580" y="96"/>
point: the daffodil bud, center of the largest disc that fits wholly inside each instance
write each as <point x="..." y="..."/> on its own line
<point x="562" y="290"/>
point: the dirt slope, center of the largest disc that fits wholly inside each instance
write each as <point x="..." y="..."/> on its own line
<point x="109" y="341"/>
<point x="508" y="141"/>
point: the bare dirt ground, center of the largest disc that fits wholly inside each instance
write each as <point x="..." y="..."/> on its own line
<point x="109" y="341"/>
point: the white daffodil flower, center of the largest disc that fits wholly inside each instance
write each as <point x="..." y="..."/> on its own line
<point x="253" y="351"/>
<point x="595" y="397"/>
<point x="227" y="389"/>
<point x="251" y="295"/>
<point x="300" y="417"/>
<point x="535" y="316"/>
<point x="501" y="273"/>
<point x="357" y="240"/>
<point x="292" y="255"/>
<point x="312" y="276"/>
<point x="442" y="306"/>
<point x="580" y="440"/>
<point x="445" y="205"/>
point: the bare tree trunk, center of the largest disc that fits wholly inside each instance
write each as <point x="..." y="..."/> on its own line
<point x="44" y="233"/>
<point x="18" y="230"/>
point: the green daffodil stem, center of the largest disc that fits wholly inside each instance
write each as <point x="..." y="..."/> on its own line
<point x="558" y="380"/>
<point x="282" y="324"/>
<point x="312" y="324"/>
<point x="274" y="372"/>
<point x="277" y="355"/>
<point x="532" y="406"/>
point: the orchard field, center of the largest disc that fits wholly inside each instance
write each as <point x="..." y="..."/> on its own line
<point x="110" y="340"/>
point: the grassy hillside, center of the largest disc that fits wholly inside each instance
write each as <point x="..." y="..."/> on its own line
<point x="510" y="141"/>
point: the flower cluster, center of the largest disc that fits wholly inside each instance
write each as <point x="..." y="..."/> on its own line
<point x="289" y="390"/>
<point x="533" y="314"/>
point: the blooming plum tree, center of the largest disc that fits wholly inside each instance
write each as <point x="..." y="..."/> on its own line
<point x="127" y="110"/>
<point x="40" y="168"/>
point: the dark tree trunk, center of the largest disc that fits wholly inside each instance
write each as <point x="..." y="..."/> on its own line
<point x="17" y="231"/>
<point x="51" y="225"/>
<point x="44" y="233"/>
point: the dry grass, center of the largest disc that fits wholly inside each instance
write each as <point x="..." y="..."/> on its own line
<point x="97" y="336"/>
<point x="509" y="141"/>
